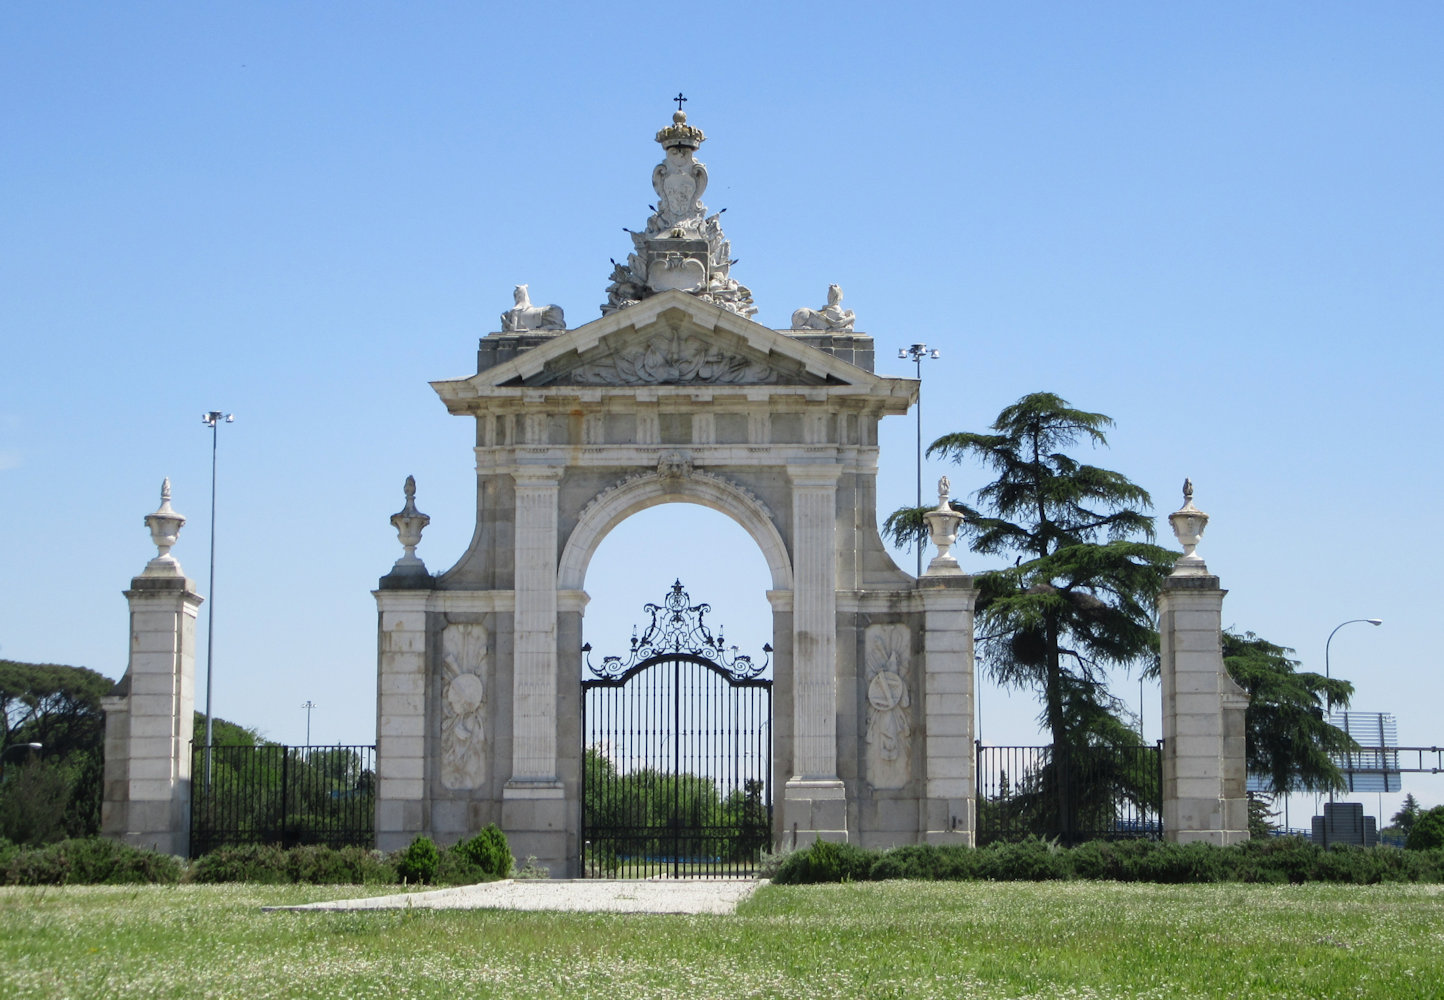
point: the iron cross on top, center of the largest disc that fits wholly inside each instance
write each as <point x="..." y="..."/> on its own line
<point x="679" y="99"/>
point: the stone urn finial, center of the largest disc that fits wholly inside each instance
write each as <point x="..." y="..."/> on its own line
<point x="943" y="524"/>
<point x="409" y="523"/>
<point x="165" y="525"/>
<point x="1188" y="524"/>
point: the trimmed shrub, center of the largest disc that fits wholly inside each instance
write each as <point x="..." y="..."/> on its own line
<point x="265" y="864"/>
<point x="1030" y="860"/>
<point x="89" y="861"/>
<point x="1428" y="831"/>
<point x="488" y="851"/>
<point x="455" y="868"/>
<point x="826" y="861"/>
<point x="320" y="865"/>
<point x="420" y="861"/>
<point x="925" y="862"/>
<point x="1180" y="863"/>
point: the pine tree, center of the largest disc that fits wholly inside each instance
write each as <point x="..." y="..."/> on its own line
<point x="1290" y="740"/>
<point x="1078" y="600"/>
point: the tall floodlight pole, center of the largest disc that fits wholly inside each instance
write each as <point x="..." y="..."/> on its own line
<point x="917" y="352"/>
<point x="212" y="419"/>
<point x="1328" y="697"/>
<point x="309" y="706"/>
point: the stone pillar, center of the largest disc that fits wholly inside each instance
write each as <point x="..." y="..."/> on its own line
<point x="401" y="670"/>
<point x="948" y="598"/>
<point x="1204" y="762"/>
<point x="400" y="714"/>
<point x="533" y="801"/>
<point x="948" y="678"/>
<point x="814" y="798"/>
<point x="150" y="716"/>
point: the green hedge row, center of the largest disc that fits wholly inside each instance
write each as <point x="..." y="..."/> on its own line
<point x="98" y="861"/>
<point x="1273" y="859"/>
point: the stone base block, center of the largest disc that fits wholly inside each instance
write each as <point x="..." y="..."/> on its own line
<point x="534" y="819"/>
<point x="813" y="809"/>
<point x="950" y="821"/>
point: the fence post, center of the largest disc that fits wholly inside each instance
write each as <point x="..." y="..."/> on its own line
<point x="285" y="795"/>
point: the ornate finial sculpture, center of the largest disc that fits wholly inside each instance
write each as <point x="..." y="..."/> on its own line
<point x="682" y="247"/>
<point x="943" y="524"/>
<point x="524" y="316"/>
<point x="409" y="523"/>
<point x="1188" y="524"/>
<point x="165" y="525"/>
<point x="830" y="317"/>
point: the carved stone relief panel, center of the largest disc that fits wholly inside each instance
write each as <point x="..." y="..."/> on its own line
<point x="463" y="706"/>
<point x="676" y="358"/>
<point x="888" y="661"/>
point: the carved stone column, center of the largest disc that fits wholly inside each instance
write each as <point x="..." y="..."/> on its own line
<point x="815" y="801"/>
<point x="533" y="807"/>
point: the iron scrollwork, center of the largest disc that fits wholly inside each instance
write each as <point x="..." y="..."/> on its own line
<point x="678" y="628"/>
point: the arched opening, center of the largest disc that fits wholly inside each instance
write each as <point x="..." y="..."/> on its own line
<point x="676" y="699"/>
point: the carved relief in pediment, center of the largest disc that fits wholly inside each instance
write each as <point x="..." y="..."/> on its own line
<point x="672" y="357"/>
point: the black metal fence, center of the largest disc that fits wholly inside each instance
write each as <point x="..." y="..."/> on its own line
<point x="282" y="795"/>
<point x="1082" y="793"/>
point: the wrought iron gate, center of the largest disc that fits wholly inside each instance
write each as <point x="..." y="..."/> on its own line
<point x="676" y="753"/>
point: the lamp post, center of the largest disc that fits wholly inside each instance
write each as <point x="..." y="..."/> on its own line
<point x="308" y="707"/>
<point x="20" y="746"/>
<point x="1328" y="697"/>
<point x="917" y="352"/>
<point x="1327" y="675"/>
<point x="213" y="420"/>
<point x="32" y="747"/>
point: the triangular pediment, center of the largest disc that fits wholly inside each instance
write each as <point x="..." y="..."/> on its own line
<point x="670" y="339"/>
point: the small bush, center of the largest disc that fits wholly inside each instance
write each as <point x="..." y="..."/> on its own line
<point x="1030" y="860"/>
<point x="316" y="864"/>
<point x="826" y="861"/>
<point x="532" y="868"/>
<point x="1183" y="863"/>
<point x="420" y="861"/>
<point x="1428" y="831"/>
<point x="488" y="851"/>
<point x="266" y="864"/>
<point x="770" y="861"/>
<point x="925" y="862"/>
<point x="89" y="861"/>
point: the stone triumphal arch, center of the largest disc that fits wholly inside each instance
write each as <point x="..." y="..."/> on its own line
<point x="675" y="394"/>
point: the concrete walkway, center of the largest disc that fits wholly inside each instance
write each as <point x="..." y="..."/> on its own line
<point x="589" y="895"/>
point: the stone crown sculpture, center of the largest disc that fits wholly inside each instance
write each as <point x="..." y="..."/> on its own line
<point x="682" y="248"/>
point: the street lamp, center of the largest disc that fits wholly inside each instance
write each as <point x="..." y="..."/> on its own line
<point x="20" y="746"/>
<point x="32" y="747"/>
<point x="917" y="352"/>
<point x="212" y="419"/>
<point x="1351" y="621"/>
<point x="1328" y="696"/>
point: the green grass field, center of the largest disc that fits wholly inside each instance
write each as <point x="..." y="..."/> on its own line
<point x="890" y="939"/>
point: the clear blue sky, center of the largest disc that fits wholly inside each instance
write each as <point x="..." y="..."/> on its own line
<point x="1220" y="224"/>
